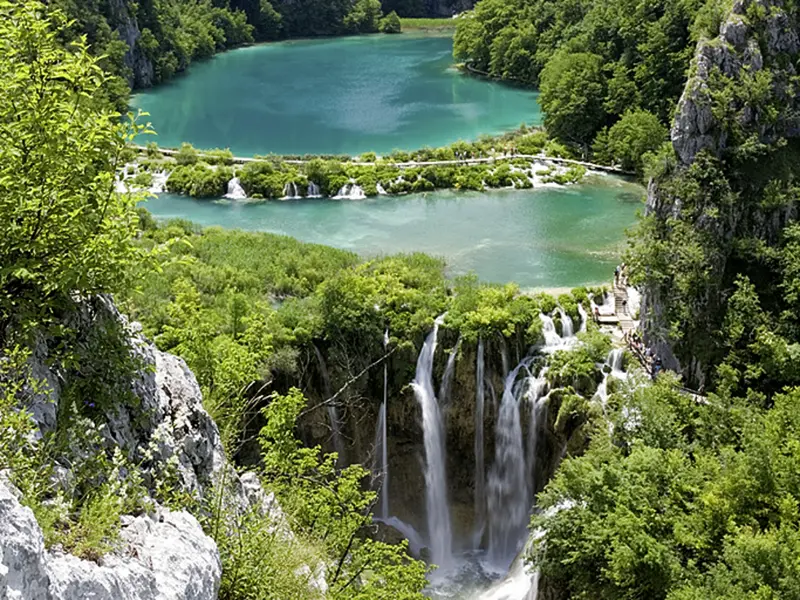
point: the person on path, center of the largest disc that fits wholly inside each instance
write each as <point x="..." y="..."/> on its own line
<point x="616" y="274"/>
<point x="625" y="306"/>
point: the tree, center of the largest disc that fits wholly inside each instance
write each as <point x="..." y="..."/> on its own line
<point x="636" y="134"/>
<point x="391" y="23"/>
<point x="64" y="229"/>
<point x="572" y="91"/>
<point x="364" y="17"/>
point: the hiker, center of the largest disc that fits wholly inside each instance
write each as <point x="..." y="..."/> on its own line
<point x="625" y="306"/>
<point x="616" y="274"/>
<point x="596" y="314"/>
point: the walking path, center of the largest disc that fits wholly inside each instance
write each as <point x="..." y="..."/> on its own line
<point x="540" y="158"/>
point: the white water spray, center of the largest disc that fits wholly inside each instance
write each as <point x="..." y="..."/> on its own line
<point x="567" y="327"/>
<point x="480" y="468"/>
<point x="508" y="499"/>
<point x="438" y="511"/>
<point x="235" y="190"/>
<point x="551" y="337"/>
<point x="350" y="191"/>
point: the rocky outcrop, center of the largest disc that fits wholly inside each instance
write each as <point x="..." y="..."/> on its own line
<point x="165" y="556"/>
<point x="141" y="67"/>
<point x="739" y="110"/>
<point x="162" y="428"/>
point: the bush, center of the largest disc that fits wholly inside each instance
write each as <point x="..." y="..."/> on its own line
<point x="391" y="23"/>
<point x="187" y="155"/>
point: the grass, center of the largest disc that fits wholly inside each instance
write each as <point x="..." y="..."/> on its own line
<point x="409" y="24"/>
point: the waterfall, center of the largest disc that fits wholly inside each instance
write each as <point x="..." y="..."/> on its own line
<point x="507" y="486"/>
<point x="290" y="191"/>
<point x="567" y="327"/>
<point x="438" y="511"/>
<point x="330" y="407"/>
<point x="381" y="461"/>
<point x="313" y="190"/>
<point x="447" y="378"/>
<point x="384" y="439"/>
<point x="551" y="337"/>
<point x="350" y="191"/>
<point x="480" y="475"/>
<point x="537" y="403"/>
<point x="584" y="317"/>
<point x="415" y="542"/>
<point x="614" y="360"/>
<point x="235" y="190"/>
<point x="381" y="190"/>
<point x="504" y="355"/>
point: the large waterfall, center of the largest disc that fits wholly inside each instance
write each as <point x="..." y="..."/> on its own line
<point x="447" y="378"/>
<point x="537" y="405"/>
<point x="508" y="499"/>
<point x="350" y="191"/>
<point x="480" y="494"/>
<point x="290" y="191"/>
<point x="330" y="406"/>
<point x="438" y="510"/>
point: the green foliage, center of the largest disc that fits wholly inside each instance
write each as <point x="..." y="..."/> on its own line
<point x="640" y="53"/>
<point x="199" y="180"/>
<point x="391" y="23"/>
<point x="364" y="16"/>
<point x="630" y="140"/>
<point x="329" y="506"/>
<point x="64" y="229"/>
<point x="572" y="90"/>
<point x="689" y="500"/>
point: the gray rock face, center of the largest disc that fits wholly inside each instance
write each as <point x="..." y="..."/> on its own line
<point x="166" y="557"/>
<point x="142" y="74"/>
<point x="168" y="424"/>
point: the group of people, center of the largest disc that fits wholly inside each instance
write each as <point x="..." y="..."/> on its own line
<point x="645" y="354"/>
<point x="621" y="275"/>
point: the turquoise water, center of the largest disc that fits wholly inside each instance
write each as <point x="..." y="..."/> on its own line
<point x="547" y="237"/>
<point x="333" y="96"/>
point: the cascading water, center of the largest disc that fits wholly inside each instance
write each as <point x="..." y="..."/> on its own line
<point x="480" y="494"/>
<point x="381" y="462"/>
<point x="384" y="438"/>
<point x="350" y="191"/>
<point x="508" y="500"/>
<point x="551" y="337"/>
<point x="330" y="407"/>
<point x="235" y="190"/>
<point x="567" y="327"/>
<point x="313" y="190"/>
<point x="614" y="360"/>
<point x="290" y="191"/>
<point x="537" y="403"/>
<point x="381" y="190"/>
<point x="584" y="317"/>
<point x="438" y="510"/>
<point x="447" y="378"/>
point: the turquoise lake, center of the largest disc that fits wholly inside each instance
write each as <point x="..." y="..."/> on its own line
<point x="333" y="96"/>
<point x="547" y="237"/>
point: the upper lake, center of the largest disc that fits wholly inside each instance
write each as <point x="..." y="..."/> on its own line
<point x="333" y="96"/>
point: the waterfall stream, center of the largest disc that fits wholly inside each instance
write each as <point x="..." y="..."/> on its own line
<point x="330" y="407"/>
<point x="584" y="317"/>
<point x="508" y="500"/>
<point x="436" y="503"/>
<point x="551" y="337"/>
<point x="567" y="327"/>
<point x="235" y="190"/>
<point x="480" y="468"/>
<point x="447" y="378"/>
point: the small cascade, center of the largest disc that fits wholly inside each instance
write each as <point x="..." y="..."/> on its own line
<point x="504" y="355"/>
<point x="313" y="190"/>
<point x="330" y="407"/>
<point x="381" y="190"/>
<point x="551" y="337"/>
<point x="382" y="462"/>
<point x="384" y="449"/>
<point x="567" y="327"/>
<point x="480" y="474"/>
<point x="235" y="190"/>
<point x="438" y="510"/>
<point x="290" y="191"/>
<point x="447" y="377"/>
<point x="508" y="501"/>
<point x="350" y="191"/>
<point x="614" y="360"/>
<point x="584" y="317"/>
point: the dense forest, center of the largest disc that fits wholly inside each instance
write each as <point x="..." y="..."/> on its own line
<point x="682" y="488"/>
